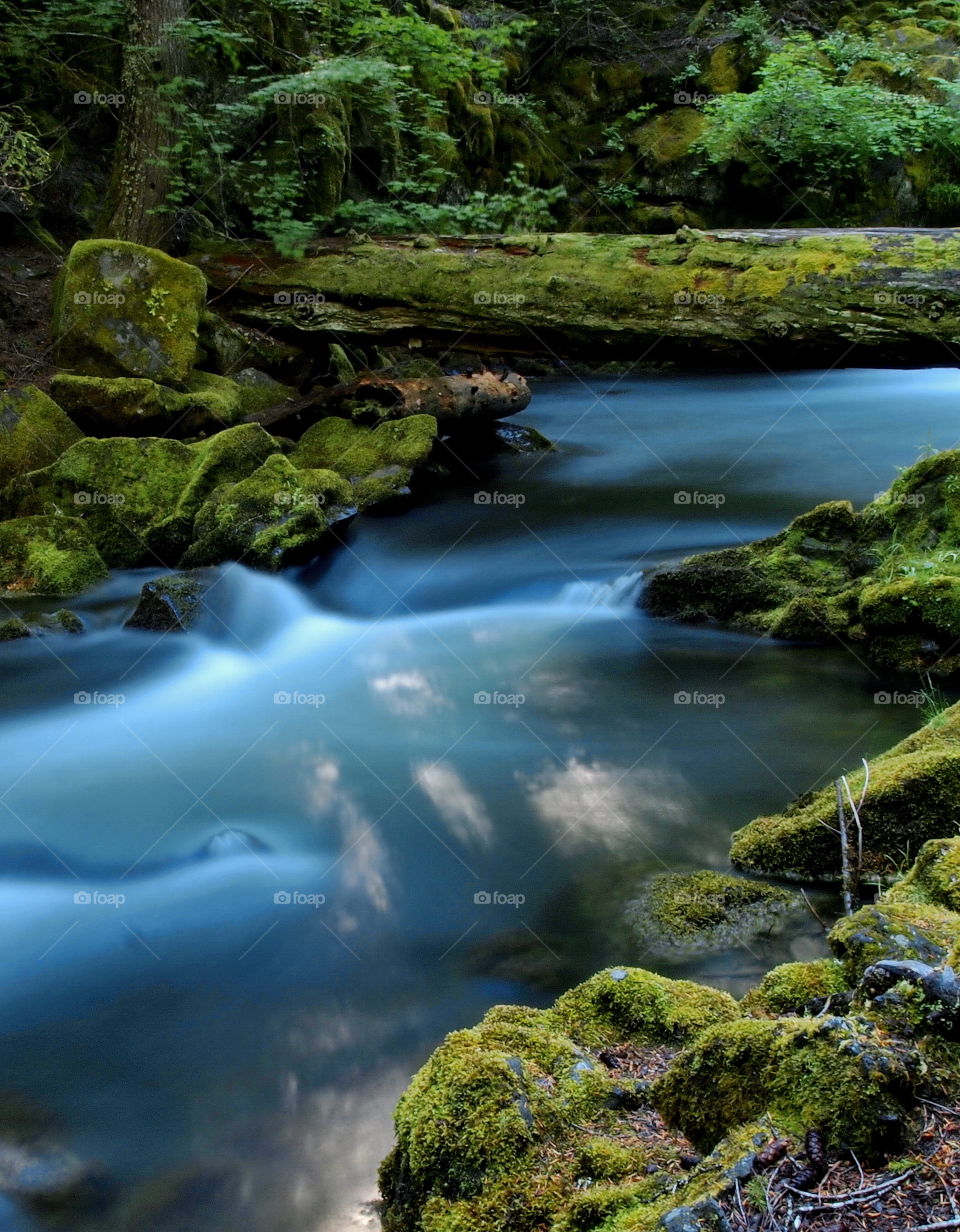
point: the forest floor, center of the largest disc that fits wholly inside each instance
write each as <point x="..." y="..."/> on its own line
<point x="27" y="276"/>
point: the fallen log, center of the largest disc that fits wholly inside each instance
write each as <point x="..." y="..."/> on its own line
<point x="455" y="401"/>
<point x="888" y="292"/>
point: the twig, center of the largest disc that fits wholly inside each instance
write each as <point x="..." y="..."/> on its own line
<point x="845" y="871"/>
<point x="936" y="1227"/>
<point x="853" y="1195"/>
<point x="940" y="1107"/>
<point x="813" y="911"/>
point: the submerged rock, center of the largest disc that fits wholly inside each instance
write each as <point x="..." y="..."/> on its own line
<point x="518" y="438"/>
<point x="695" y="911"/>
<point x="13" y="629"/>
<point x="122" y="310"/>
<point x="168" y="604"/>
<point x="46" y="1178"/>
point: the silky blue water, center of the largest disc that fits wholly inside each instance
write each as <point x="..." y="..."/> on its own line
<point x="249" y="876"/>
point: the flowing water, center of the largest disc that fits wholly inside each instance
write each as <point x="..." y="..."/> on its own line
<point x="250" y="876"/>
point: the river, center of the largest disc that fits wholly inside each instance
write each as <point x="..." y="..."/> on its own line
<point x="250" y="876"/>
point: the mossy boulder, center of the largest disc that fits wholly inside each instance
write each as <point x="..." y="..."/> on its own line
<point x="14" y="629"/>
<point x="900" y="931"/>
<point x="276" y="516"/>
<point x="34" y="431"/>
<point x="122" y="310"/>
<point x="228" y="347"/>
<point x="379" y="462"/>
<point x="138" y="497"/>
<point x="792" y="987"/>
<point x="913" y="796"/>
<point x="690" y="911"/>
<point x="934" y="878"/>
<point x="630" y="1003"/>
<point x="886" y="578"/>
<point x="48" y="555"/>
<point x="134" y="406"/>
<point x="843" y="1076"/>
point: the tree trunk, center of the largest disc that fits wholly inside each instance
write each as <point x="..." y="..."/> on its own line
<point x="141" y="176"/>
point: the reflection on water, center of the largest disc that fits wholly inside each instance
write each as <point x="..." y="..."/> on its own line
<point x="240" y="902"/>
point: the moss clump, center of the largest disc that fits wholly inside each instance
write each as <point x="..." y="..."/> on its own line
<point x="887" y="577"/>
<point x="697" y="910"/>
<point x="934" y="878"/>
<point x="898" y="930"/>
<point x="124" y="310"/>
<point x="13" y="630"/>
<point x="840" y="1075"/>
<point x="630" y="1003"/>
<point x="34" y="432"/>
<point x="791" y="987"/>
<point x="911" y="798"/>
<point x="48" y="555"/>
<point x="271" y="518"/>
<point x="379" y="462"/>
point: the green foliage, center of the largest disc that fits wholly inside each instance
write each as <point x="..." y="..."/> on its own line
<point x="752" y="25"/>
<point x="808" y="125"/>
<point x="518" y="207"/>
<point x="24" y="163"/>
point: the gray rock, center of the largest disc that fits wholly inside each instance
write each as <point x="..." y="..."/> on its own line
<point x="706" y="1216"/>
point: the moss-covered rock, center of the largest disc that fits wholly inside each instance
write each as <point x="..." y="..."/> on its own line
<point x="901" y="931"/>
<point x="379" y="462"/>
<point x="276" y="516"/>
<point x="840" y="1075"/>
<point x="34" y="431"/>
<point x="699" y="910"/>
<point x="912" y="798"/>
<point x="168" y="604"/>
<point x="630" y="1003"/>
<point x="934" y="878"/>
<point x="48" y="555"/>
<point x="138" y="497"/>
<point x="125" y="310"/>
<point x="886" y="578"/>
<point x="13" y="629"/>
<point x="791" y="987"/>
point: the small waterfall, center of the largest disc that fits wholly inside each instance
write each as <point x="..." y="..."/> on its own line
<point x="617" y="595"/>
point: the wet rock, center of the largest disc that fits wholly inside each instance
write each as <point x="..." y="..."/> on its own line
<point x="517" y="438"/>
<point x="706" y="1216"/>
<point x="45" y="1178"/>
<point x="168" y="604"/>
<point x="13" y="629"/>
<point x="48" y="555"/>
<point x="34" y="431"/>
<point x="122" y="310"/>
<point x="379" y="462"/>
<point x="898" y="932"/>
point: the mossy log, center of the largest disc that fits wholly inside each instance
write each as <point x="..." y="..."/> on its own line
<point x="746" y="293"/>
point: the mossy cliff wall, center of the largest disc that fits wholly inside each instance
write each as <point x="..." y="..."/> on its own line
<point x="736" y="292"/>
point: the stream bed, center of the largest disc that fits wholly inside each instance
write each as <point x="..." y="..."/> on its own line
<point x="251" y="875"/>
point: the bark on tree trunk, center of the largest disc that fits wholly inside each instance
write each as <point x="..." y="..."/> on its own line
<point x="141" y="178"/>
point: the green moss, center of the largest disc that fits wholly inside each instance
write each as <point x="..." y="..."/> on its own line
<point x="276" y="516"/>
<point x="701" y="909"/>
<point x="934" y="878"/>
<point x="722" y="75"/>
<point x="913" y="791"/>
<point x="13" y="630"/>
<point x="630" y="1003"/>
<point x="124" y="310"/>
<point x="48" y="555"/>
<point x="840" y="1075"/>
<point x="34" y="432"/>
<point x="789" y="988"/>
<point x="378" y="461"/>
